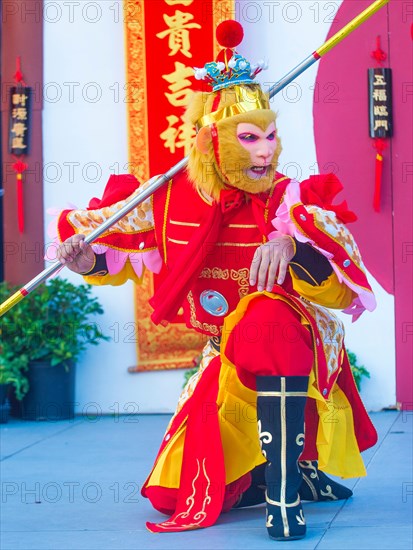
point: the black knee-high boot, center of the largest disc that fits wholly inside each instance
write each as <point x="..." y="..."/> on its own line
<point x="280" y="412"/>
<point x="317" y="486"/>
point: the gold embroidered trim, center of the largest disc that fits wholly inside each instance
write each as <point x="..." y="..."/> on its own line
<point x="283" y="491"/>
<point x="214" y="273"/>
<point x="276" y="503"/>
<point x="190" y="501"/>
<point x="129" y="250"/>
<point x="100" y="273"/>
<point x="283" y="178"/>
<point x="346" y="275"/>
<point x="93" y="225"/>
<point x="155" y="344"/>
<point x="310" y="485"/>
<point x="213" y="329"/>
<point x="91" y="269"/>
<point x="322" y="230"/>
<point x="186" y="224"/>
<point x="242" y="226"/>
<point x="138" y="142"/>
<point x="252" y="104"/>
<point x="305" y="271"/>
<point x="239" y="244"/>
<point x="176" y="241"/>
<point x="168" y="198"/>
<point x="281" y="394"/>
<point x="242" y="276"/>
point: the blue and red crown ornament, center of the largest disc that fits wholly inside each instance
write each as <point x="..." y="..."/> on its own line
<point x="230" y="68"/>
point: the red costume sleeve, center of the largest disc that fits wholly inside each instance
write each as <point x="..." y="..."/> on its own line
<point x="308" y="215"/>
<point x="130" y="244"/>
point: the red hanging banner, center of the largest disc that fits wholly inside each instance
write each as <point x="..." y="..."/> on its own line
<point x="19" y="134"/>
<point x="178" y="37"/>
<point x="165" y="40"/>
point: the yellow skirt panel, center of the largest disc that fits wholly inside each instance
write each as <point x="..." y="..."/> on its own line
<point x="336" y="442"/>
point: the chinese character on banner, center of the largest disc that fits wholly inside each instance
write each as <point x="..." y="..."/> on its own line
<point x="166" y="40"/>
<point x="182" y="2"/>
<point x="380" y="103"/>
<point x="179" y="85"/>
<point x="19" y="121"/>
<point x="181" y="136"/>
<point x="19" y="134"/>
<point x="178" y="32"/>
<point x="380" y="114"/>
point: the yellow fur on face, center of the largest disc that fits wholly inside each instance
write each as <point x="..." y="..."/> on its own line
<point x="205" y="171"/>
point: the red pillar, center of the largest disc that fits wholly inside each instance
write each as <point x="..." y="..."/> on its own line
<point x="22" y="35"/>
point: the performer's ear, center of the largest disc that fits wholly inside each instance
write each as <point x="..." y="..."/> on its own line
<point x="203" y="140"/>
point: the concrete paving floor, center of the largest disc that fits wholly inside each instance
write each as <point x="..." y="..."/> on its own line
<point x="75" y="485"/>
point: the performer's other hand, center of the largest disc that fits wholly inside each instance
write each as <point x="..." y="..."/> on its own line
<point x="269" y="259"/>
<point x="76" y="254"/>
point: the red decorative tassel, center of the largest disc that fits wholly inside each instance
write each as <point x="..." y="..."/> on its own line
<point x="18" y="76"/>
<point x="378" y="54"/>
<point x="20" y="167"/>
<point x="379" y="145"/>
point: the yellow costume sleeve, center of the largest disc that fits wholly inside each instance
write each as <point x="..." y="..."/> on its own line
<point x="331" y="293"/>
<point x="127" y="273"/>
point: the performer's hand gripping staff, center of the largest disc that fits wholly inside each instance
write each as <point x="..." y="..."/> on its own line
<point x="77" y="254"/>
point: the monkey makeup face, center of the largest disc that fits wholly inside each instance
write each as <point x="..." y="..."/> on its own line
<point x="248" y="153"/>
<point x="240" y="150"/>
<point x="261" y="147"/>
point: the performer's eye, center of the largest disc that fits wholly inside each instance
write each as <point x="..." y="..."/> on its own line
<point x="271" y="136"/>
<point x="248" y="137"/>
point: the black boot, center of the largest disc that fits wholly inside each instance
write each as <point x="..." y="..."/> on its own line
<point x="317" y="486"/>
<point x="280" y="411"/>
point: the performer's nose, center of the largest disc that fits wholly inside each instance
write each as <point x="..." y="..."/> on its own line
<point x="264" y="151"/>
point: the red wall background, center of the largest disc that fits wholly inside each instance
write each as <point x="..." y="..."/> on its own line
<point x="385" y="238"/>
<point x="22" y="35"/>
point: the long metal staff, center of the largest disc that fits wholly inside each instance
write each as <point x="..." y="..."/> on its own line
<point x="159" y="182"/>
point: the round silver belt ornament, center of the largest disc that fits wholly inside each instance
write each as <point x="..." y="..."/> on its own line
<point x="213" y="302"/>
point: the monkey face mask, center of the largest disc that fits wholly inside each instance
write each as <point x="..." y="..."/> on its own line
<point x="248" y="151"/>
<point x="241" y="152"/>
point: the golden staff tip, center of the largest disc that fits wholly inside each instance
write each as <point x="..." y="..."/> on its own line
<point x="12" y="301"/>
<point x="347" y="29"/>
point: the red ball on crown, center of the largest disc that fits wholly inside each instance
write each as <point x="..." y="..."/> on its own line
<point x="229" y="33"/>
<point x="230" y="68"/>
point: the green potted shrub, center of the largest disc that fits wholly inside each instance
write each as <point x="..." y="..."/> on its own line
<point x="12" y="375"/>
<point x="42" y="337"/>
<point x="358" y="370"/>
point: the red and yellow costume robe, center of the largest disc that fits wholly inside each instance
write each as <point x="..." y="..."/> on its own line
<point x="212" y="443"/>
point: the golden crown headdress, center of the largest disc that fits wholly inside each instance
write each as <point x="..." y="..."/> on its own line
<point x="232" y="70"/>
